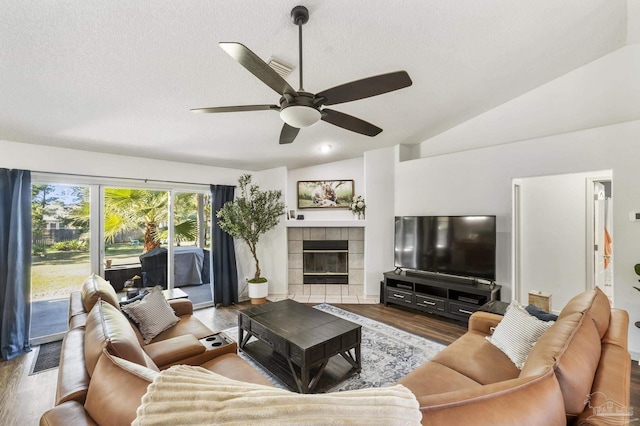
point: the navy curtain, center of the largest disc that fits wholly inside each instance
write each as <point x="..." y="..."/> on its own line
<point x="225" y="273"/>
<point x="15" y="262"/>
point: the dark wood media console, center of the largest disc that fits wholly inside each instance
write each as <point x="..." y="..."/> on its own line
<point x="450" y="297"/>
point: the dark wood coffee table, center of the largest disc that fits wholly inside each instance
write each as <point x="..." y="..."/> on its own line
<point x="296" y="342"/>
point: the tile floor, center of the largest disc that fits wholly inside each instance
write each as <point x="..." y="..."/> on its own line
<point x="329" y="293"/>
<point x="328" y="298"/>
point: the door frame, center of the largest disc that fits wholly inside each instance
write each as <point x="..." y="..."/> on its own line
<point x="590" y="218"/>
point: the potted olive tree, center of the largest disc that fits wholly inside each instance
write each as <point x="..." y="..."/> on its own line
<point x="250" y="215"/>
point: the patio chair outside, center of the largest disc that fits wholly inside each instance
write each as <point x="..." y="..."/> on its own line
<point x="134" y="242"/>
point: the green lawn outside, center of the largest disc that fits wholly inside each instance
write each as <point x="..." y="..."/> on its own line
<point x="58" y="273"/>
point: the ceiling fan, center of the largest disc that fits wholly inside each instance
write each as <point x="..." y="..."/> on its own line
<point x="302" y="109"/>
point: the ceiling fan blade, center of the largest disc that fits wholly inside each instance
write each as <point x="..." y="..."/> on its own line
<point x="257" y="67"/>
<point x="365" y="88"/>
<point x="288" y="134"/>
<point x="349" y="122"/>
<point x="237" y="108"/>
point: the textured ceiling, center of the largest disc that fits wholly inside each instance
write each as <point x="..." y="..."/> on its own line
<point x="120" y="76"/>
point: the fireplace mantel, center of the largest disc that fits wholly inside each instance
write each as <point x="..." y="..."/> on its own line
<point x="350" y="223"/>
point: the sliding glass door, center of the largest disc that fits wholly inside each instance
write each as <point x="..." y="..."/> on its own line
<point x="60" y="255"/>
<point x="191" y="245"/>
<point x="132" y="236"/>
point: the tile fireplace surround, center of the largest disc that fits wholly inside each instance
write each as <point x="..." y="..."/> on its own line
<point x="355" y="237"/>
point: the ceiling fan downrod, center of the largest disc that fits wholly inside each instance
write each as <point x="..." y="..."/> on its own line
<point x="300" y="16"/>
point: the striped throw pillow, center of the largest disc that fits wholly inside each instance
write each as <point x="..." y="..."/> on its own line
<point x="153" y="314"/>
<point x="516" y="334"/>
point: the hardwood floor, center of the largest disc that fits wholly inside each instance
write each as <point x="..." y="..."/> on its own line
<point x="24" y="398"/>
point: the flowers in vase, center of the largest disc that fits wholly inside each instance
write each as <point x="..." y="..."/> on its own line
<point x="357" y="205"/>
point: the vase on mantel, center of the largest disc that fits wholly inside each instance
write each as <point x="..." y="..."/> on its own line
<point x="359" y="215"/>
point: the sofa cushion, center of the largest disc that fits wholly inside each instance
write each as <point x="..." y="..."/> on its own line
<point x="234" y="367"/>
<point x="517" y="333"/>
<point x="115" y="391"/>
<point x="572" y="347"/>
<point x="433" y="378"/>
<point x="595" y="303"/>
<point x="152" y="314"/>
<point x="471" y="354"/>
<point x="108" y="328"/>
<point x="95" y="287"/>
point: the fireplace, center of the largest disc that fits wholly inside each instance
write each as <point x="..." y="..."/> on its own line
<point x="325" y="261"/>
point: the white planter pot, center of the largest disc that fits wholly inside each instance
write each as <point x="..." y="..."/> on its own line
<point x="258" y="292"/>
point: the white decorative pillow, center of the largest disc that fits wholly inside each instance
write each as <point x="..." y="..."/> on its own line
<point x="153" y="314"/>
<point x="518" y="331"/>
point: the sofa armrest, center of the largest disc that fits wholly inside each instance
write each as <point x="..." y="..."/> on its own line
<point x="181" y="306"/>
<point x="69" y="413"/>
<point x="610" y="395"/>
<point x="170" y="351"/>
<point x="73" y="379"/>
<point x="534" y="400"/>
<point x="482" y="322"/>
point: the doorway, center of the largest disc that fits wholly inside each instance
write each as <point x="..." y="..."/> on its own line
<point x="559" y="237"/>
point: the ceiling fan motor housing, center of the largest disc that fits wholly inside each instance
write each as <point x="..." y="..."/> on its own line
<point x="300" y="110"/>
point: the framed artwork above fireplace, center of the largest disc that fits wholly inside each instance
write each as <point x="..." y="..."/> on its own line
<point x="325" y="194"/>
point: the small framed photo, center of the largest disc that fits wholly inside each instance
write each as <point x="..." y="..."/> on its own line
<point x="325" y="194"/>
<point x="292" y="214"/>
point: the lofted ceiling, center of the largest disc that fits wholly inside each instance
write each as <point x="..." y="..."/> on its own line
<point x="121" y="76"/>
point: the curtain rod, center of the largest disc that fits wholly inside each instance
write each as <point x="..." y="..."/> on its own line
<point x="119" y="178"/>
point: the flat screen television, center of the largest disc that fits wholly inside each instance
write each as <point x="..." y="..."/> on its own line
<point x="455" y="245"/>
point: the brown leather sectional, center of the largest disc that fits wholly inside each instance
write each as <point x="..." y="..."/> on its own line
<point x="582" y="356"/>
<point x="101" y="378"/>
<point x="106" y="368"/>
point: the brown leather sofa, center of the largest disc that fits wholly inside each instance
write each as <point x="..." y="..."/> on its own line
<point x="578" y="373"/>
<point x="470" y="382"/>
<point x="105" y="366"/>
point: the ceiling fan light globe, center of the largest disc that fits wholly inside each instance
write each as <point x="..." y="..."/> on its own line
<point x="300" y="116"/>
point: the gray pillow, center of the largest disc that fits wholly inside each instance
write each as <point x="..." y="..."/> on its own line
<point x="153" y="314"/>
<point x="540" y="313"/>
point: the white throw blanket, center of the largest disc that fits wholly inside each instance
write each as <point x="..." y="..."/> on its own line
<point x="186" y="395"/>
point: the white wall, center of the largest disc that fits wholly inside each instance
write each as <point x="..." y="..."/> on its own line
<point x="272" y="248"/>
<point x="338" y="170"/>
<point x="553" y="234"/>
<point x="379" y="167"/>
<point x="479" y="182"/>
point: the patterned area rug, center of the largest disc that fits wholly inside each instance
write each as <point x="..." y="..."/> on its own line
<point x="388" y="354"/>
